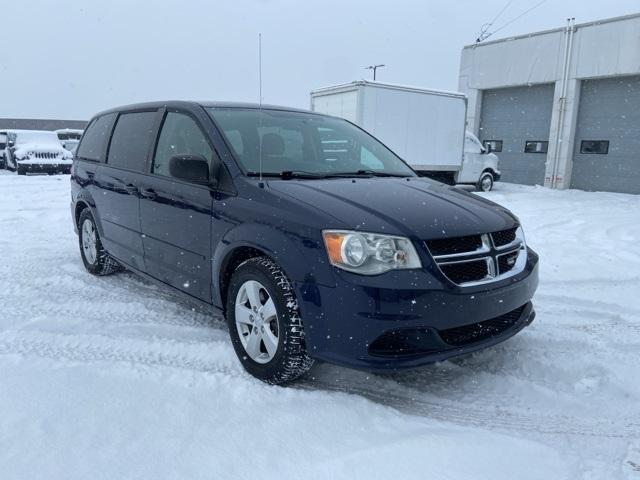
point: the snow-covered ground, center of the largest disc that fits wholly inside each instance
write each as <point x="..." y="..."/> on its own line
<point x="114" y="378"/>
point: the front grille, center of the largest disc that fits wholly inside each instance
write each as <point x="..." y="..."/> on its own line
<point x="44" y="155"/>
<point x="448" y="246"/>
<point x="468" y="334"/>
<point x="478" y="258"/>
<point x="504" y="237"/>
<point x="464" y="272"/>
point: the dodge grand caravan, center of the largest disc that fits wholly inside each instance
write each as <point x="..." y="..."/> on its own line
<point x="315" y="240"/>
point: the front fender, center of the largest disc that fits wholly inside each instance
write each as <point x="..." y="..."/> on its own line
<point x="301" y="255"/>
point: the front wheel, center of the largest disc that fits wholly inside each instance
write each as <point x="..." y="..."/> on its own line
<point x="20" y="170"/>
<point x="485" y="184"/>
<point x="95" y="258"/>
<point x="264" y="322"/>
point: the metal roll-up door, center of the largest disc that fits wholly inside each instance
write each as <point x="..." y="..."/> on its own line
<point x="517" y="121"/>
<point x="606" y="156"/>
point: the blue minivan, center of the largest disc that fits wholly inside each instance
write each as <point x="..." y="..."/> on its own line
<point x="315" y="240"/>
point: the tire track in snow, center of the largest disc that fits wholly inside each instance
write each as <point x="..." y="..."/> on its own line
<point x="467" y="415"/>
<point x="204" y="356"/>
<point x="217" y="357"/>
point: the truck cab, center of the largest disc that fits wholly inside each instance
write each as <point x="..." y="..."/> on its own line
<point x="479" y="167"/>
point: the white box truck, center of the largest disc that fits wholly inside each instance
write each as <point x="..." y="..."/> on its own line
<point x="426" y="128"/>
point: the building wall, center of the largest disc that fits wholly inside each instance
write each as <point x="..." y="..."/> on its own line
<point x="604" y="48"/>
<point x="39" y="124"/>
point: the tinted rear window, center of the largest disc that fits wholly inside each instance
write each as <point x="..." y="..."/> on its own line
<point x="131" y="140"/>
<point x="95" y="138"/>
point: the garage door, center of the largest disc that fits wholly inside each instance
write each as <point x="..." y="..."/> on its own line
<point x="607" y="152"/>
<point x="516" y="121"/>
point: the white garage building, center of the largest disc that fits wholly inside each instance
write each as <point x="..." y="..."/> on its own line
<point x="560" y="107"/>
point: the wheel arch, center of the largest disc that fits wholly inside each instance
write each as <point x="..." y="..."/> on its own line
<point x="252" y="240"/>
<point x="230" y="262"/>
<point x="84" y="200"/>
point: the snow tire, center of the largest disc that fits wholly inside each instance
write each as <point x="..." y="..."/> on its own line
<point x="104" y="264"/>
<point x="291" y="359"/>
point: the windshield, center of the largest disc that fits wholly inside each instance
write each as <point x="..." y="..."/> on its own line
<point x="36" y="136"/>
<point x="304" y="143"/>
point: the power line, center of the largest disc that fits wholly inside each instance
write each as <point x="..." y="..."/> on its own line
<point x="519" y="16"/>
<point x="484" y="29"/>
<point x="484" y="33"/>
<point x="501" y="12"/>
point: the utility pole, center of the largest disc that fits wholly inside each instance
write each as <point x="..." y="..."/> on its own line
<point x="374" y="68"/>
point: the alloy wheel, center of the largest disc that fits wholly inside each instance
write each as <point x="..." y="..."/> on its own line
<point x="89" y="241"/>
<point x="257" y="321"/>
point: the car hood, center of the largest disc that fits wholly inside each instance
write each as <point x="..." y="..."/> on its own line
<point x="414" y="207"/>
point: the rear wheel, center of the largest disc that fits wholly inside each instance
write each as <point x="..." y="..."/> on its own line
<point x="485" y="184"/>
<point x="264" y="322"/>
<point x="95" y="258"/>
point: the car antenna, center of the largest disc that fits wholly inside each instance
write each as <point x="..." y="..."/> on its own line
<point x="261" y="184"/>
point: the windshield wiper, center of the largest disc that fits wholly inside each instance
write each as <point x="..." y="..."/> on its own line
<point x="288" y="174"/>
<point x="376" y="173"/>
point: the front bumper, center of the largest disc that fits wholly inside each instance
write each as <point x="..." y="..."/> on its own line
<point x="45" y="167"/>
<point x="350" y="323"/>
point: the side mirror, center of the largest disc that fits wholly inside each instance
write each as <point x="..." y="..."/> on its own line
<point x="487" y="148"/>
<point x="192" y="168"/>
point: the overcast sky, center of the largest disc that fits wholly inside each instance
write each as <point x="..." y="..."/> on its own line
<point x="69" y="58"/>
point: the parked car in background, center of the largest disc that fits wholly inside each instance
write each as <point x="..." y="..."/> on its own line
<point x="69" y="137"/>
<point x="480" y="164"/>
<point x="3" y="146"/>
<point x="314" y="239"/>
<point x="36" y="151"/>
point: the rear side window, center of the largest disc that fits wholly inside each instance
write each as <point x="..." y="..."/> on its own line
<point x="132" y="137"/>
<point x="94" y="140"/>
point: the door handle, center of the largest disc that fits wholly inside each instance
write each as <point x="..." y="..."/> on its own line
<point x="148" y="193"/>
<point x="132" y="189"/>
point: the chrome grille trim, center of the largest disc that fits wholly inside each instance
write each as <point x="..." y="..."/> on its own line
<point x="485" y="248"/>
<point x="491" y="254"/>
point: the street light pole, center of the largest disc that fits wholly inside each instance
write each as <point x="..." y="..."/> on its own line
<point x="375" y="69"/>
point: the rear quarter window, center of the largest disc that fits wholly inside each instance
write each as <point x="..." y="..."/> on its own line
<point x="95" y="138"/>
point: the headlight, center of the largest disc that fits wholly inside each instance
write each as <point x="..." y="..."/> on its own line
<point x="520" y="236"/>
<point x="369" y="253"/>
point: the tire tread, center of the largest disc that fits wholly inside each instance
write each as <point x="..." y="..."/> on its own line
<point x="296" y="359"/>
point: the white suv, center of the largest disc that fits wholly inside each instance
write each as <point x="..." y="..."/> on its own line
<point x="36" y="151"/>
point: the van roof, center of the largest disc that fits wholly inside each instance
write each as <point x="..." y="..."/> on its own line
<point x="206" y="104"/>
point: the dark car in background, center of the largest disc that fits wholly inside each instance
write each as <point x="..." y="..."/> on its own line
<point x="315" y="240"/>
<point x="3" y="146"/>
